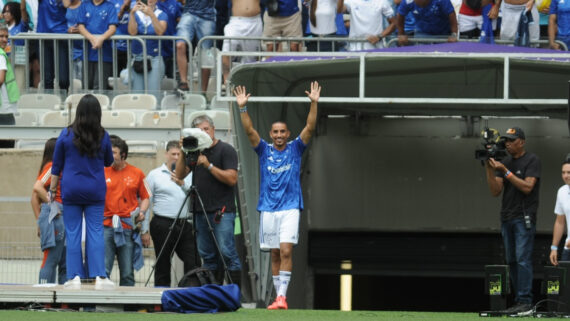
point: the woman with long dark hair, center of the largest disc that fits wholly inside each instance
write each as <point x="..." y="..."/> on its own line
<point x="82" y="151"/>
<point x="50" y="228"/>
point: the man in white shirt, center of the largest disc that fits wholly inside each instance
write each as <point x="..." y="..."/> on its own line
<point x="168" y="199"/>
<point x="366" y="21"/>
<point x="562" y="211"/>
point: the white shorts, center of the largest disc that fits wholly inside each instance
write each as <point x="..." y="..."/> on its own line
<point x="356" y="46"/>
<point x="511" y="18"/>
<point x="278" y="227"/>
<point x="468" y="23"/>
<point x="243" y="27"/>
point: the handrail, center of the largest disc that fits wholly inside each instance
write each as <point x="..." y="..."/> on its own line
<point x="386" y="43"/>
<point x="362" y="56"/>
<point x="274" y="40"/>
<point x="394" y="42"/>
<point x="76" y="37"/>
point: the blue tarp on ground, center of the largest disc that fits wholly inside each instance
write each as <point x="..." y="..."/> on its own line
<point x="209" y="298"/>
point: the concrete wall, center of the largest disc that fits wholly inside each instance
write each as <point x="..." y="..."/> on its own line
<point x="19" y="169"/>
<point x="418" y="175"/>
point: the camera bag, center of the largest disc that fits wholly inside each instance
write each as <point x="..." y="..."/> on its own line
<point x="138" y="66"/>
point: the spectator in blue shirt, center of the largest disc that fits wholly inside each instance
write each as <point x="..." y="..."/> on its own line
<point x="433" y="18"/>
<point x="51" y="19"/>
<point x="559" y="23"/>
<point x="147" y="19"/>
<point x="173" y="10"/>
<point x="16" y="17"/>
<point x="198" y="20"/>
<point x="123" y="8"/>
<point x="98" y="22"/>
<point x="72" y="16"/>
<point x="409" y="21"/>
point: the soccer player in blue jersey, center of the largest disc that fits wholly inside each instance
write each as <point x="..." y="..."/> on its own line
<point x="280" y="196"/>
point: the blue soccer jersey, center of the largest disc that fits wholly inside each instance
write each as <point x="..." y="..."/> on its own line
<point x="145" y="27"/>
<point x="72" y="17"/>
<point x="51" y="17"/>
<point x="204" y="9"/>
<point x="173" y="10"/>
<point x="97" y="19"/>
<point x="280" y="182"/>
<point x="561" y="8"/>
<point x="432" y="19"/>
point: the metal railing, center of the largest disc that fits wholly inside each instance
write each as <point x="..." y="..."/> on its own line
<point x="71" y="38"/>
<point x="273" y="40"/>
<point x="394" y="41"/>
<point x="386" y="42"/>
<point x="362" y="98"/>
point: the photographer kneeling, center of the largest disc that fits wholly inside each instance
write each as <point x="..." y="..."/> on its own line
<point x="214" y="178"/>
<point x="518" y="177"/>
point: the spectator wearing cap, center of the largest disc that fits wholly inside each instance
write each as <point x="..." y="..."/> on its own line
<point x="517" y="177"/>
<point x="433" y="18"/>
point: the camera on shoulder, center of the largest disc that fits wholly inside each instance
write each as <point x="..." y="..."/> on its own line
<point x="493" y="145"/>
<point x="194" y="141"/>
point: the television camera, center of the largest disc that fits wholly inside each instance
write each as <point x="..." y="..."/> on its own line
<point x="493" y="145"/>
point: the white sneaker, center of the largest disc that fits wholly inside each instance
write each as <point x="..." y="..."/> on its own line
<point x="104" y="284"/>
<point x="73" y="284"/>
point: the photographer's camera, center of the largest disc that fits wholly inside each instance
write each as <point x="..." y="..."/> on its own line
<point x="493" y="146"/>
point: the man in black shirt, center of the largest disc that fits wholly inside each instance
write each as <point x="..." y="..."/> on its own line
<point x="518" y="177"/>
<point x="215" y="175"/>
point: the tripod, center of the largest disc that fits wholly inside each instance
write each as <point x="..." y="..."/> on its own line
<point x="193" y="191"/>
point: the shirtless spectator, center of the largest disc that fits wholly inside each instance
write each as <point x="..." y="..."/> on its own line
<point x="244" y="22"/>
<point x="511" y="13"/>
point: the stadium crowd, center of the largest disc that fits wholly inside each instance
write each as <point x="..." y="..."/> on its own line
<point x="372" y="21"/>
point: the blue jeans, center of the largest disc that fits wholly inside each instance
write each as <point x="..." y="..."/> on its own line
<point x="519" y="243"/>
<point x="195" y="28"/>
<point x="54" y="257"/>
<point x="124" y="256"/>
<point x="224" y="232"/>
<point x="94" y="245"/>
<point x="154" y="77"/>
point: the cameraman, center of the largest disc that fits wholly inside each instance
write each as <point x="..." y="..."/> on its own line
<point x="518" y="177"/>
<point x="214" y="176"/>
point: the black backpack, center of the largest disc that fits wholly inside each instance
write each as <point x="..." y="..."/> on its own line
<point x="197" y="277"/>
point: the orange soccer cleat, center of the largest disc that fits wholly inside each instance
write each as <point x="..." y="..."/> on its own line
<point x="279" y="303"/>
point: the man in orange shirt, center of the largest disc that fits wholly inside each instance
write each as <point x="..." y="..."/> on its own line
<point x="126" y="200"/>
